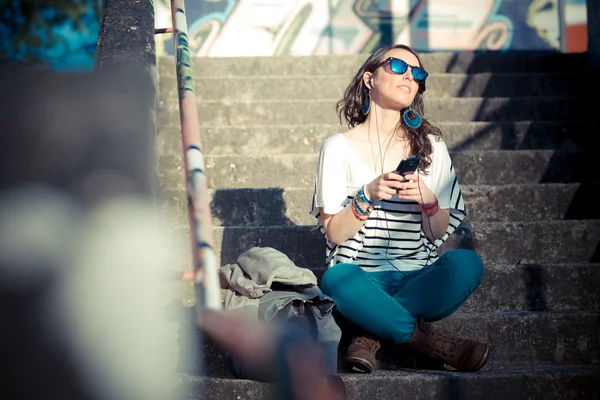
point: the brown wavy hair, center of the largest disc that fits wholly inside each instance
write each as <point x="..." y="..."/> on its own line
<point x="350" y="107"/>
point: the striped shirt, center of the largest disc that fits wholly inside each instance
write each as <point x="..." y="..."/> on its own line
<point x="392" y="238"/>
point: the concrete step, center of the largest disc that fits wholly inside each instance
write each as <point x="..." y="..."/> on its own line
<point x="473" y="168"/>
<point x="524" y="338"/>
<point x="522" y="242"/>
<point x="536" y="287"/>
<point x="498" y="383"/>
<point x="306" y="139"/>
<point x="465" y="62"/>
<point x="522" y="287"/>
<point x="508" y="203"/>
<point x="304" y="112"/>
<point x="242" y="88"/>
<point x="532" y="337"/>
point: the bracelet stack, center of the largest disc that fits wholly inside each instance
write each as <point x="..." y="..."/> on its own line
<point x="432" y="209"/>
<point x="361" y="205"/>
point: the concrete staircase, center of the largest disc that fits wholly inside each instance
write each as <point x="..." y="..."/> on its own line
<point x="520" y="134"/>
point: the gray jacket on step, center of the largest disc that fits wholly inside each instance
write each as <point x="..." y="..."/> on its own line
<point x="264" y="281"/>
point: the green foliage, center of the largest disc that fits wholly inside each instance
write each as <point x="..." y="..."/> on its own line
<point x="27" y="26"/>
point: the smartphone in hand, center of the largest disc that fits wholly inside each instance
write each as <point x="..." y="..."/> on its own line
<point x="408" y="165"/>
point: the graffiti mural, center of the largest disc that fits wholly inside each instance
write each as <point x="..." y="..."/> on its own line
<point x="543" y="16"/>
<point x="233" y="28"/>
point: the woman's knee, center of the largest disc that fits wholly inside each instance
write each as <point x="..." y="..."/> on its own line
<point x="470" y="264"/>
<point x="339" y="279"/>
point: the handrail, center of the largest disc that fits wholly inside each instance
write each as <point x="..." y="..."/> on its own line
<point x="205" y="274"/>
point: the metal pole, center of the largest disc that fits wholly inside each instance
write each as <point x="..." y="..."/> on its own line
<point x="562" y="26"/>
<point x="206" y="277"/>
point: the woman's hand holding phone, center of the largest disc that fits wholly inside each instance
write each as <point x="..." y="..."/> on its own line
<point x="384" y="186"/>
<point x="413" y="188"/>
<point x="407" y="187"/>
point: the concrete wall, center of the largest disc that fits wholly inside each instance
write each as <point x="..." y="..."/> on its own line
<point x="126" y="48"/>
<point x="221" y="28"/>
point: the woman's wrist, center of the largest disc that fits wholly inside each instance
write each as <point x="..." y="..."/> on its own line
<point x="429" y="204"/>
<point x="430" y="209"/>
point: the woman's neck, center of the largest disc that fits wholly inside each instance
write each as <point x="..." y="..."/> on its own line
<point x="382" y="122"/>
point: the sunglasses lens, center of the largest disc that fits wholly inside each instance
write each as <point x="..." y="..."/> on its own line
<point x="418" y="74"/>
<point x="398" y="66"/>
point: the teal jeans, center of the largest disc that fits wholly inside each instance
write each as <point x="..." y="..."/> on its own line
<point x="389" y="303"/>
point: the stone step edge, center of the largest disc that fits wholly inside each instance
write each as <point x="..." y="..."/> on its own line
<point x="445" y="53"/>
<point x="470" y="223"/>
<point x="445" y="123"/>
<point x="449" y="123"/>
<point x="471" y="187"/>
<point x="492" y="265"/>
<point x="330" y="100"/>
<point x="499" y="371"/>
<point x="513" y="314"/>
<point x="501" y="151"/>
<point x="350" y="75"/>
<point x="505" y="266"/>
<point x="532" y="381"/>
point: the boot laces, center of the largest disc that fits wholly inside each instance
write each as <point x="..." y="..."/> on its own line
<point x="371" y="344"/>
<point x="442" y="342"/>
<point x="446" y="344"/>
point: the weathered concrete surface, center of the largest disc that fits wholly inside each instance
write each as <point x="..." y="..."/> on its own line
<point x="472" y="168"/>
<point x="301" y="112"/>
<point x="126" y="45"/>
<point x="523" y="287"/>
<point x="515" y="383"/>
<point x="277" y="206"/>
<point x="530" y="337"/>
<point x="307" y="139"/>
<point x="536" y="287"/>
<point x="522" y="338"/>
<point x="526" y="202"/>
<point x="526" y="135"/>
<point x="343" y="65"/>
<point x="332" y="87"/>
<point x="526" y="242"/>
<point x="127" y="34"/>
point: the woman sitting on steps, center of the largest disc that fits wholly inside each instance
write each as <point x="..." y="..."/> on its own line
<point x="383" y="229"/>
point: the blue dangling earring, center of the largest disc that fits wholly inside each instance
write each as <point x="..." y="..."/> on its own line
<point x="367" y="104"/>
<point x="412" y="118"/>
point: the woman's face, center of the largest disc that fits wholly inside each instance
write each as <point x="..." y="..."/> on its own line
<point x="389" y="89"/>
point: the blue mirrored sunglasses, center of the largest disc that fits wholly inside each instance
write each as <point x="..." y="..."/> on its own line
<point x="400" y="67"/>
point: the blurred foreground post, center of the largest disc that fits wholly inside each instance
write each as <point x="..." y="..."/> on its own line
<point x="82" y="249"/>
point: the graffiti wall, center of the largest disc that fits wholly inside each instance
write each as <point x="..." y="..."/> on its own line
<point x="233" y="28"/>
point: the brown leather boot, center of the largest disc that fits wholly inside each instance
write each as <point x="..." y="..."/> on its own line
<point x="462" y="354"/>
<point x="360" y="355"/>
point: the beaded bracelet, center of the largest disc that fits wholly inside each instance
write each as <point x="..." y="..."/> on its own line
<point x="360" y="217"/>
<point x="363" y="196"/>
<point x="360" y="210"/>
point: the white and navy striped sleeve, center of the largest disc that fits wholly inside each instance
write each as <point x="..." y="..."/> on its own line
<point x="446" y="188"/>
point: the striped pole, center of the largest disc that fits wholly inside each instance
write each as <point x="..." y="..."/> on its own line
<point x="206" y="277"/>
